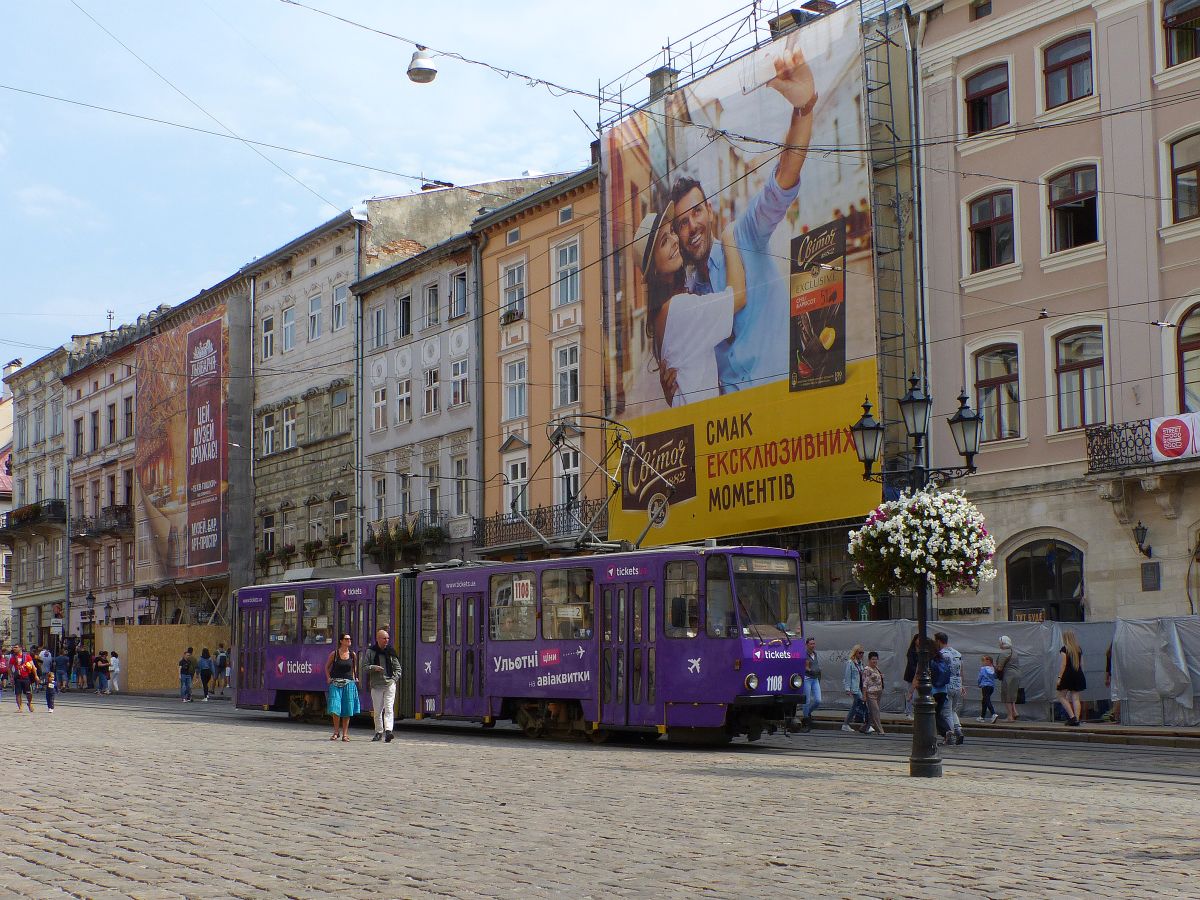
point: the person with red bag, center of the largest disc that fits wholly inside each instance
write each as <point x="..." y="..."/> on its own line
<point x="24" y="671"/>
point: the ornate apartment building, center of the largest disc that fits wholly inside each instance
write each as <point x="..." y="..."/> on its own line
<point x="1062" y="264"/>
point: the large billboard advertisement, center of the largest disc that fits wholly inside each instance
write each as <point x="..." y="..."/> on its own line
<point x="181" y="461"/>
<point x="740" y="333"/>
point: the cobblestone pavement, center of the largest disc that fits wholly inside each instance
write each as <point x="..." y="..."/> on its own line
<point x="154" y="799"/>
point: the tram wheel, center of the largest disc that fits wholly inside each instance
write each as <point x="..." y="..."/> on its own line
<point x="533" y="726"/>
<point x="649" y="737"/>
<point x="297" y="706"/>
<point x="599" y="736"/>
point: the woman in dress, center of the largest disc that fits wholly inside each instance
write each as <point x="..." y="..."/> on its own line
<point x="1008" y="670"/>
<point x="1070" y="677"/>
<point x="341" y="674"/>
<point x="685" y="328"/>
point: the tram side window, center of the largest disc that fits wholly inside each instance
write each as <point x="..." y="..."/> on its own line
<point x="383" y="608"/>
<point x="719" y="620"/>
<point x="680" y="588"/>
<point x="318" y="616"/>
<point x="567" y="603"/>
<point x="513" y="608"/>
<point x="283" y="617"/>
<point x="428" y="612"/>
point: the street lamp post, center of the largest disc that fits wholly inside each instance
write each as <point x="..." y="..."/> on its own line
<point x="916" y="408"/>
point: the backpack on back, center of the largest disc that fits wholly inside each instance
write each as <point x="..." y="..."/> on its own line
<point x="939" y="671"/>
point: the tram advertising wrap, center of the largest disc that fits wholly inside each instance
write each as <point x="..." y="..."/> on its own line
<point x="741" y="318"/>
<point x="181" y="461"/>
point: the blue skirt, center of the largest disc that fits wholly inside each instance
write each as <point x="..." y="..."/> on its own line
<point x="343" y="700"/>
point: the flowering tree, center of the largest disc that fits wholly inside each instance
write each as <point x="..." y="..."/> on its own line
<point x="938" y="535"/>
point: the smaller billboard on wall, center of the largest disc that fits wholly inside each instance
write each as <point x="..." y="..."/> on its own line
<point x="1175" y="437"/>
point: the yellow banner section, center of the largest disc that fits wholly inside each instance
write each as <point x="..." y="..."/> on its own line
<point x="752" y="460"/>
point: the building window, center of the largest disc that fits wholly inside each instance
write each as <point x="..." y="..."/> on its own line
<point x="987" y="99"/>
<point x="378" y="327"/>
<point x="462" y="486"/>
<point x="992" y="242"/>
<point x="129" y="561"/>
<point x="59" y="549"/>
<point x="1045" y="582"/>
<point x="78" y="437"/>
<point x="514" y="389"/>
<point x="458" y="295"/>
<point x="380" y="494"/>
<point x="39" y="425"/>
<point x="56" y="418"/>
<point x="513" y="279"/>
<point x="341" y="519"/>
<point x="458" y="382"/>
<point x="55" y="482"/>
<point x="431" y="305"/>
<point x="566" y="272"/>
<point x="114" y="560"/>
<point x="404" y="316"/>
<point x="997" y="392"/>
<point x="39" y="561"/>
<point x="433" y="391"/>
<point x="518" y="475"/>
<point x="289" y="427"/>
<point x="1079" y="370"/>
<point x="433" y="488"/>
<point x="1189" y="361"/>
<point x="1185" y="177"/>
<point x="112" y="423"/>
<point x="1181" y="27"/>
<point x="314" y="317"/>
<point x="567" y="371"/>
<point x="379" y="409"/>
<point x="128" y="415"/>
<point x="405" y="494"/>
<point x="268" y="434"/>
<point x="1073" y="209"/>
<point x="289" y="328"/>
<point x="513" y="235"/>
<point x="128" y="488"/>
<point x="403" y="401"/>
<point x="1068" y="70"/>
<point x="980" y="9"/>
<point x="567" y="483"/>
<point x="339" y="307"/>
<point x="268" y="534"/>
<point x="111" y="492"/>
<point x="268" y="337"/>
<point x="566" y="214"/>
<point x="340" y="404"/>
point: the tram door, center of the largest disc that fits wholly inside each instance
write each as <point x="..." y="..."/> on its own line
<point x="462" y="655"/>
<point x="628" y="620"/>
<point x="356" y="617"/>
<point x="252" y="637"/>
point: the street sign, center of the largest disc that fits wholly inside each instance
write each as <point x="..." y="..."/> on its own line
<point x="56" y="626"/>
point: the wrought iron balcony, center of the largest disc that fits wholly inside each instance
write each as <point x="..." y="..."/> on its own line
<point x="33" y="517"/>
<point x="557" y="523"/>
<point x="116" y="519"/>
<point x="1125" y="445"/>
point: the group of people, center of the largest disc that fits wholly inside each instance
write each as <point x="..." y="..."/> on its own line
<point x="71" y="668"/>
<point x="213" y="669"/>
<point x="380" y="666"/>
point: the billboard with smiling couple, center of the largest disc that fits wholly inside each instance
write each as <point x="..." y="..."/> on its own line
<point x="741" y="317"/>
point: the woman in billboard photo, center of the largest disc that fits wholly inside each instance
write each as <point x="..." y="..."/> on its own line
<point x="685" y="327"/>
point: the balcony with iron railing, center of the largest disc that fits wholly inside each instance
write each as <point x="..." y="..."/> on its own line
<point x="112" y="521"/>
<point x="33" y="518"/>
<point x="1114" y="448"/>
<point x="560" y="524"/>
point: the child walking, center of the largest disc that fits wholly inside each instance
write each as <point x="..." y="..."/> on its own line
<point x="51" y="691"/>
<point x="987" y="684"/>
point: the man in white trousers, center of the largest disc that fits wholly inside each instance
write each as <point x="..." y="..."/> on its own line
<point x="383" y="674"/>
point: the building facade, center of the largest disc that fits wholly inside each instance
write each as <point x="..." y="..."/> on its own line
<point x="1062" y="238"/>
<point x="421" y="405"/>
<point x="541" y="340"/>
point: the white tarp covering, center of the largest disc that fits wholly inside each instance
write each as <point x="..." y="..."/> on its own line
<point x="1156" y="662"/>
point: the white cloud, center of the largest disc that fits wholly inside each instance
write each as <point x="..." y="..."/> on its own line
<point x="45" y="201"/>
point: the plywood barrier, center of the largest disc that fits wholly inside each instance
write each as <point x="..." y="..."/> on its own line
<point x="150" y="653"/>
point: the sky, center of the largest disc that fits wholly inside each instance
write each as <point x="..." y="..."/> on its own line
<point x="102" y="212"/>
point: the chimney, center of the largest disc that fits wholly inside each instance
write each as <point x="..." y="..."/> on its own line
<point x="9" y="368"/>
<point x="819" y="7"/>
<point x="595" y="148"/>
<point x="662" y="81"/>
<point x="789" y="21"/>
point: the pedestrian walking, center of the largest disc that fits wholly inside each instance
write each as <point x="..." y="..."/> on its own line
<point x="987" y="684"/>
<point x="1114" y="711"/>
<point x="873" y="687"/>
<point x="812" y="682"/>
<point x="956" y="691"/>
<point x="341" y="674"/>
<point x="187" y="668"/>
<point x="939" y="678"/>
<point x="114" y="672"/>
<point x="206" y="669"/>
<point x="46" y="660"/>
<point x="4" y="655"/>
<point x="221" y="679"/>
<point x="911" y="660"/>
<point x="24" y="673"/>
<point x="100" y="666"/>
<point x="382" y="666"/>
<point x="1071" y="680"/>
<point x="1008" y="668"/>
<point x="852" y="684"/>
<point x="84" y="678"/>
<point x="62" y="666"/>
<point x="51" y="691"/>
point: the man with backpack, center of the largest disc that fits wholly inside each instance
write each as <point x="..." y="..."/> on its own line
<point x="955" y="692"/>
<point x="939" y="677"/>
<point x="222" y="679"/>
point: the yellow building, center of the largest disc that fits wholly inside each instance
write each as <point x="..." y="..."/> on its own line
<point x="542" y="345"/>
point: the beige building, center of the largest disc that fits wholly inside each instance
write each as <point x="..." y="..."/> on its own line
<point x="1061" y="228"/>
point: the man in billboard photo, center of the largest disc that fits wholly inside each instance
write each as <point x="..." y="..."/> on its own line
<point x="757" y="350"/>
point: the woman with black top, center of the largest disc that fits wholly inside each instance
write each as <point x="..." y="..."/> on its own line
<point x="910" y="676"/>
<point x="1070" y="677"/>
<point x="341" y="674"/>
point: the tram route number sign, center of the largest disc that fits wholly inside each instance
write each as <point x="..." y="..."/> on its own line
<point x="289" y="603"/>
<point x="522" y="590"/>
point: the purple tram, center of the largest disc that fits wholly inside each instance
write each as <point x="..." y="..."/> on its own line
<point x="699" y="643"/>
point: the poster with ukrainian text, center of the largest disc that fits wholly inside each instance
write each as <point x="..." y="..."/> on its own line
<point x="740" y="320"/>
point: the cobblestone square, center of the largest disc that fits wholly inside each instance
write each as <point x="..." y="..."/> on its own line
<point x="151" y="798"/>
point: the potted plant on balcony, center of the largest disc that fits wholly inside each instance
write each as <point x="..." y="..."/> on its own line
<point x="434" y="537"/>
<point x="312" y="550"/>
<point x="286" y="554"/>
<point x="408" y="542"/>
<point x="337" y="546"/>
<point x="380" y="547"/>
<point x="263" y="559"/>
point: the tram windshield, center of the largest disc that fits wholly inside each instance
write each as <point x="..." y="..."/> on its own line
<point x="768" y="596"/>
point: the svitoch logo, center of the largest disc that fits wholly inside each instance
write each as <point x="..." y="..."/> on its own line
<point x="821" y="245"/>
<point x="665" y="455"/>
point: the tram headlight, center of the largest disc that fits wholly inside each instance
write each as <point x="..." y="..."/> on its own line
<point x="752" y="682"/>
<point x="797" y="681"/>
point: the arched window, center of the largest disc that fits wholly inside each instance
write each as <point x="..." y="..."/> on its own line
<point x="1079" y="371"/>
<point x="1189" y="361"/>
<point x="1181" y="26"/>
<point x="991" y="229"/>
<point x="1068" y="70"/>
<point x="997" y="392"/>
<point x="1185" y="178"/>
<point x="1073" y="211"/>
<point x="1045" y="582"/>
<point x="987" y="99"/>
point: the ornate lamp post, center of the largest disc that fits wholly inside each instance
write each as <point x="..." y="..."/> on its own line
<point x="916" y="408"/>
